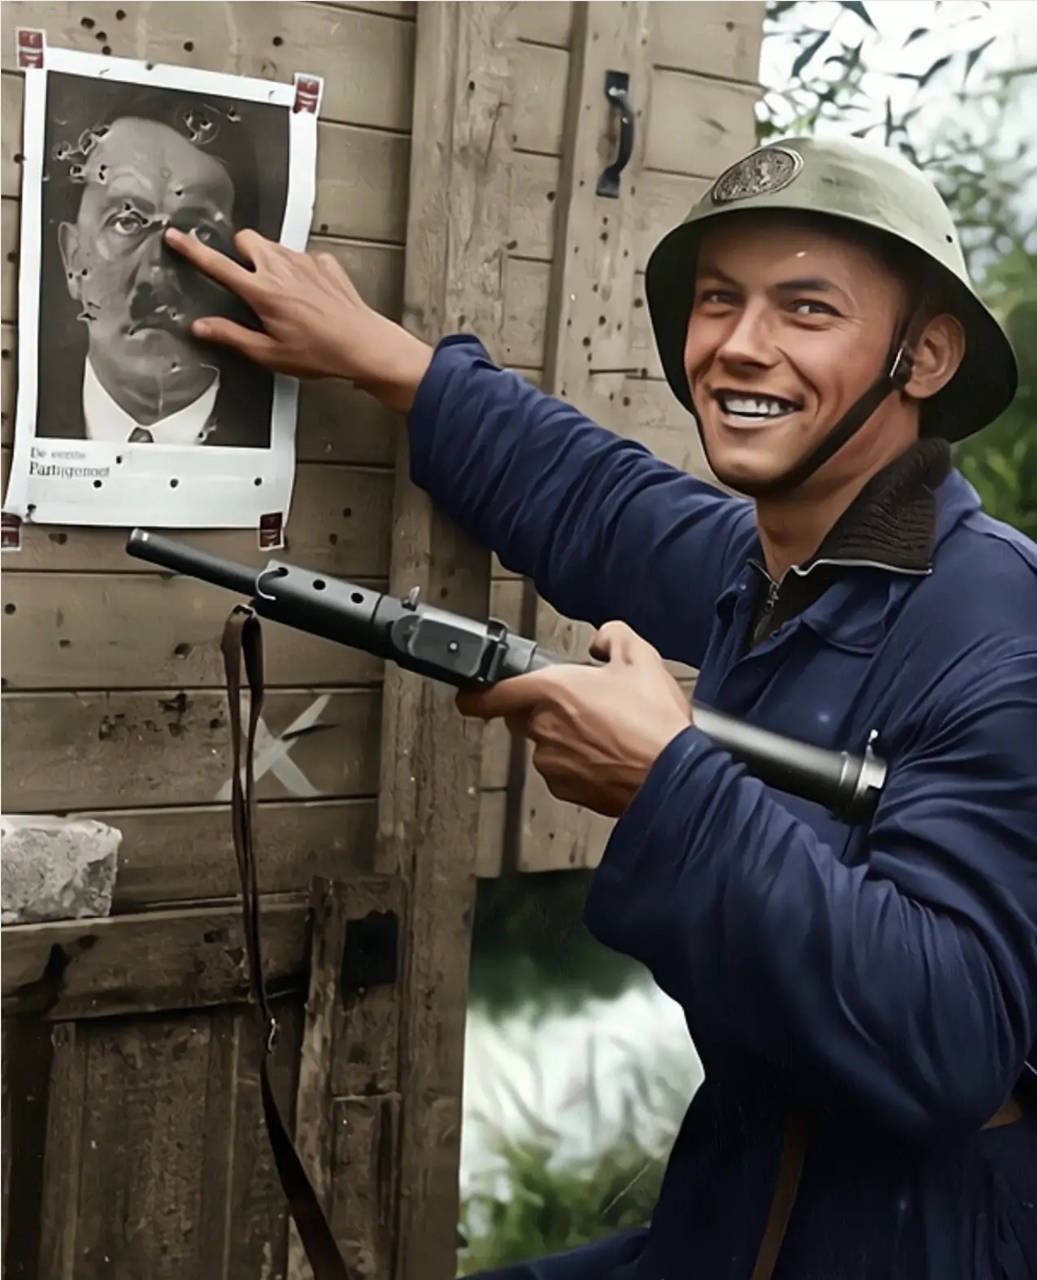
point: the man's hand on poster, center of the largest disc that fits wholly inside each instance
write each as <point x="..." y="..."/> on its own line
<point x="596" y="730"/>
<point x="315" y="323"/>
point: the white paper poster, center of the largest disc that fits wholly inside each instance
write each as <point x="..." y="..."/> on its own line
<point x="122" y="417"/>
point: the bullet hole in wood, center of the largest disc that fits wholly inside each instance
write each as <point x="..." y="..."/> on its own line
<point x="18" y="157"/>
<point x="333" y="539"/>
<point x="586" y="342"/>
<point x="97" y="484"/>
<point x="188" y="46"/>
<point x="277" y="42"/>
<point x="64" y="644"/>
<point x="551" y="197"/>
<point x="88" y="23"/>
<point x="118" y="459"/>
<point x="182" y="651"/>
<point x="102" y="36"/>
<point x="107" y="50"/>
<point x="5" y="354"/>
<point x="59" y="538"/>
<point x="173" y="483"/>
<point x="120" y="14"/>
<point x="215" y="725"/>
<point x="12" y="255"/>
<point x="594" y="288"/>
<point x="604" y="237"/>
<point x="258" y="481"/>
<point x="729" y="25"/>
<point x="471" y="86"/>
<point x="639" y="302"/>
<point x="626" y="402"/>
<point x="9" y="609"/>
<point x="443" y="593"/>
<point x="347" y="512"/>
<point x="323" y="228"/>
<point x="601" y="319"/>
<point x="512" y="244"/>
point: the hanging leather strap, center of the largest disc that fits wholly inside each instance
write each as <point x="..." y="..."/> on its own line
<point x="242" y="640"/>
<point x="786" y="1186"/>
<point x="790" y="1170"/>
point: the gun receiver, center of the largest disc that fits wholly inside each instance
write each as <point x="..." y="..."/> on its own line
<point x="464" y="653"/>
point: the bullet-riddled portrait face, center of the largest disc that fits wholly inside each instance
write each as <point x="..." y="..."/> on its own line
<point x="117" y="358"/>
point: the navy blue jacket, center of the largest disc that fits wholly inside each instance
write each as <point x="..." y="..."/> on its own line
<point x="882" y="978"/>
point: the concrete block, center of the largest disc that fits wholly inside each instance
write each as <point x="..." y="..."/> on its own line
<point x="57" y="868"/>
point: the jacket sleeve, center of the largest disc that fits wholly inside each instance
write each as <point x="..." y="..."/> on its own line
<point x="570" y="505"/>
<point x="907" y="984"/>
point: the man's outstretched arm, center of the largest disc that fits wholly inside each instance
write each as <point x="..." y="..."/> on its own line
<point x="562" y="501"/>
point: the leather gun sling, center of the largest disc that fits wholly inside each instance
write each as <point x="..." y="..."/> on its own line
<point x="790" y="1169"/>
<point x="242" y="641"/>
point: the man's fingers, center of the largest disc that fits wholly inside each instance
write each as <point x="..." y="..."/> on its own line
<point x="210" y="262"/>
<point x="259" y="347"/>
<point x="616" y="642"/>
<point x="516" y="696"/>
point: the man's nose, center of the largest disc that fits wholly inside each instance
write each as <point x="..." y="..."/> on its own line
<point x="750" y="339"/>
<point x="156" y="262"/>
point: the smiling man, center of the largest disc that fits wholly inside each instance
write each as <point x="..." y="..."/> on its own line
<point x="864" y="1000"/>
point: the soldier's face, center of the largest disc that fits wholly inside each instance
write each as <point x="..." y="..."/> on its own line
<point x="788" y="328"/>
<point x="131" y="295"/>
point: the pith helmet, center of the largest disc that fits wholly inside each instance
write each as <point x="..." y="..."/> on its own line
<point x="850" y="180"/>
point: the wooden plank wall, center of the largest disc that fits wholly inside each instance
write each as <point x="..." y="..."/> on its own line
<point x="697" y="119"/>
<point x="146" y="1154"/>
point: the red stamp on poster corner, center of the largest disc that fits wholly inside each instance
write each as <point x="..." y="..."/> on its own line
<point x="10" y="532"/>
<point x="30" y="48"/>
<point x="271" y="531"/>
<point x="307" y="93"/>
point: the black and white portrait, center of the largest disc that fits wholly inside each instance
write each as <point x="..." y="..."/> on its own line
<point x="123" y="162"/>
<point x="118" y="375"/>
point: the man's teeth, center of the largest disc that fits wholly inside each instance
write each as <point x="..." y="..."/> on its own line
<point x="755" y="407"/>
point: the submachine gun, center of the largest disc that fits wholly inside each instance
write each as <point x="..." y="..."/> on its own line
<point x="457" y="651"/>
<point x="464" y="653"/>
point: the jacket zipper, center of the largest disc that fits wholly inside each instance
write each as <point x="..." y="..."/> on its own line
<point x="774" y="588"/>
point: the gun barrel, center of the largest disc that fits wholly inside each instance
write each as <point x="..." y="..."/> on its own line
<point x="180" y="558"/>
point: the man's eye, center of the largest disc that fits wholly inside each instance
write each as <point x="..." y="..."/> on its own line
<point x="207" y="235"/>
<point x="808" y="307"/>
<point x="720" y="296"/>
<point x="128" y="222"/>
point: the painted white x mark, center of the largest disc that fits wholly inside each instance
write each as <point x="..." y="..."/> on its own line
<point x="271" y="754"/>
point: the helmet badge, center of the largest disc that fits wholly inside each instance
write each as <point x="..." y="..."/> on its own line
<point x="763" y="171"/>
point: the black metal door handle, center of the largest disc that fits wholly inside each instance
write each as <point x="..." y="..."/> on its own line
<point x="617" y="84"/>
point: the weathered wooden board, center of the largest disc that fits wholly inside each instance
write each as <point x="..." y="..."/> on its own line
<point x="157" y="1162"/>
<point x="178" y="856"/>
<point x="546" y="23"/>
<point x="366" y="59"/>
<point x="158" y="960"/>
<point x="243" y="1220"/>
<point x="698" y="125"/>
<point x="66" y="752"/>
<point x="715" y="37"/>
<point x="366" y="1134"/>
<point x="539" y="109"/>
<point x="465" y="85"/>
<point x="108" y="631"/>
<point x="662" y="201"/>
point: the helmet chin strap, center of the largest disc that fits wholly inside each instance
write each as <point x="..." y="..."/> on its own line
<point x="898" y="369"/>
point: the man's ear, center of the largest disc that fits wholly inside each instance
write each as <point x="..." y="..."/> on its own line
<point x="68" y="243"/>
<point x="938" y="356"/>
